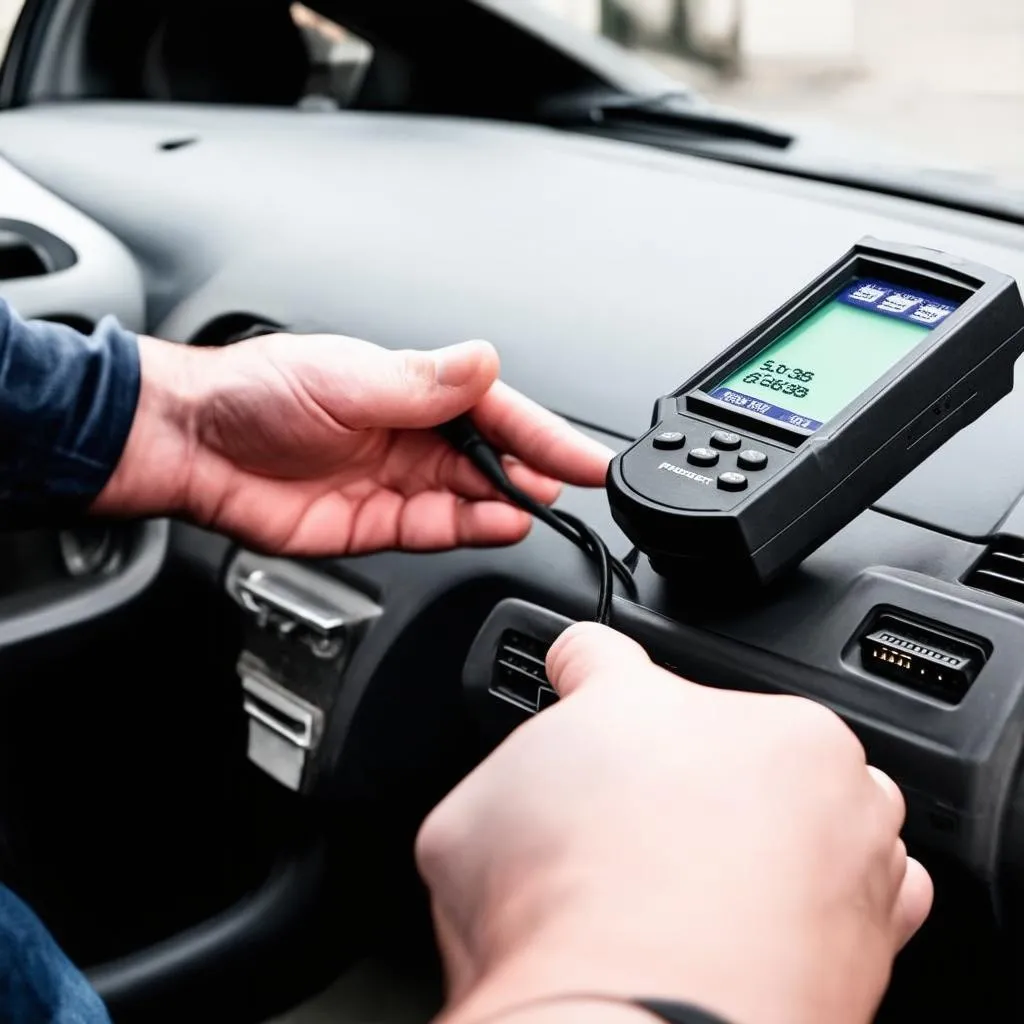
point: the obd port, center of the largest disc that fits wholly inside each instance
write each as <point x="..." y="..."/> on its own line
<point x="922" y="657"/>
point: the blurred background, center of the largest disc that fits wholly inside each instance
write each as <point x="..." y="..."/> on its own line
<point x="942" y="80"/>
<point x="8" y="12"/>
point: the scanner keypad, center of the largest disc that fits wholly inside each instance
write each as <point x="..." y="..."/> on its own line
<point x="710" y="452"/>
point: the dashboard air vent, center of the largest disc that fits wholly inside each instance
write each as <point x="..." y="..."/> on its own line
<point x="19" y="258"/>
<point x="1000" y="571"/>
<point x="519" y="675"/>
<point x="27" y="250"/>
<point x="232" y="327"/>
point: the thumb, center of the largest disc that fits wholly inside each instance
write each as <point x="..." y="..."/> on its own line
<point x="424" y="389"/>
<point x="914" y="902"/>
<point x="587" y="650"/>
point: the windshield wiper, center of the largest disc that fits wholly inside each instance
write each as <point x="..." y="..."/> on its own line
<point x="674" y="112"/>
<point x="686" y="122"/>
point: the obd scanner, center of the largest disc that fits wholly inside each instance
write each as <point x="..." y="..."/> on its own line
<point x="754" y="462"/>
<point x="814" y="414"/>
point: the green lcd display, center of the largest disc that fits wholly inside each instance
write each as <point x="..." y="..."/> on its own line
<point x="814" y="370"/>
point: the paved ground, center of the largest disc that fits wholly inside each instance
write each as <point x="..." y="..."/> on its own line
<point x="943" y="77"/>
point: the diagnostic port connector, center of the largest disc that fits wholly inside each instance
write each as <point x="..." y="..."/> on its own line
<point x="921" y="657"/>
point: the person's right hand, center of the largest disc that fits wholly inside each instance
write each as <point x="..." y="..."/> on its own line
<point x="648" y="837"/>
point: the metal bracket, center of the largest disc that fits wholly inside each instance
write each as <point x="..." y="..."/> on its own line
<point x="284" y="729"/>
<point x="298" y="603"/>
<point x="306" y="623"/>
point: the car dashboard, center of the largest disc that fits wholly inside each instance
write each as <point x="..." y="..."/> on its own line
<point x="605" y="273"/>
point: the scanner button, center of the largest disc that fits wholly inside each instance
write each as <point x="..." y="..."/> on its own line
<point x="732" y="482"/>
<point x="751" y="458"/>
<point x="702" y="456"/>
<point x="725" y="440"/>
<point x="669" y="440"/>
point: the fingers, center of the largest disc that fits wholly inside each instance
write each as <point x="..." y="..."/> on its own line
<point x="521" y="427"/>
<point x="456" y="473"/>
<point x="361" y="386"/>
<point x="435" y="386"/>
<point x="914" y="892"/>
<point x="587" y="650"/>
<point x="435" y="521"/>
<point x="895" y="804"/>
<point x="914" y="902"/>
<point x="543" y="488"/>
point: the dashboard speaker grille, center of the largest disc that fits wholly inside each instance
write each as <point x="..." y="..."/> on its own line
<point x="1000" y="571"/>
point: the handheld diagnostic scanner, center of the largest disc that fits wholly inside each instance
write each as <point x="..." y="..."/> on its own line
<point x="815" y="413"/>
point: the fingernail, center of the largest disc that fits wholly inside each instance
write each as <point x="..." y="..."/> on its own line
<point x="458" y="364"/>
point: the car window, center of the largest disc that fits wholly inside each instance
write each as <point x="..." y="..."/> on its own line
<point x="338" y="59"/>
<point x="937" y="84"/>
<point x="9" y="11"/>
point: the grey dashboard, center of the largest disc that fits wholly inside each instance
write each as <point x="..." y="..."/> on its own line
<point x="606" y="274"/>
<point x="103" y="277"/>
<point x="97" y="277"/>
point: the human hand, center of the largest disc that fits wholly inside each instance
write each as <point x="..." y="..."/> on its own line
<point x="321" y="445"/>
<point x="648" y="837"/>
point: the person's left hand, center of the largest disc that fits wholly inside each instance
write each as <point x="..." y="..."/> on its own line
<point x="311" y="445"/>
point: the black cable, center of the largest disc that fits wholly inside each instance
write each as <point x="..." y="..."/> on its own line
<point x="461" y="433"/>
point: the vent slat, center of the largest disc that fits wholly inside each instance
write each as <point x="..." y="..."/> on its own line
<point x="520" y="653"/>
<point x="1000" y="571"/>
<point x="1002" y="577"/>
<point x="519" y="677"/>
<point x="996" y="583"/>
<point x="1010" y="562"/>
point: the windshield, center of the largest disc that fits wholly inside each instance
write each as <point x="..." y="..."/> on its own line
<point x="936" y="84"/>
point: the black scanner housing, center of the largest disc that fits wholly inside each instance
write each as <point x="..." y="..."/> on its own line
<point x="817" y="482"/>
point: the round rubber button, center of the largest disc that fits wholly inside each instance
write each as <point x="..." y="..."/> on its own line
<point x="751" y="458"/>
<point x="725" y="440"/>
<point x="702" y="456"/>
<point x="732" y="482"/>
<point x="669" y="439"/>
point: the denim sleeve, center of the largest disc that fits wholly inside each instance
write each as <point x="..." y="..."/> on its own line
<point x="37" y="981"/>
<point x="67" y="401"/>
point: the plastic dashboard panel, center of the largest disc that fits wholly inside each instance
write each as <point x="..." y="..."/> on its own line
<point x="102" y="278"/>
<point x="957" y="764"/>
<point x="573" y="255"/>
<point x="567" y="252"/>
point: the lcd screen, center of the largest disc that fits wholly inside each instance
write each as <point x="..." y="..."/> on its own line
<point x="814" y="370"/>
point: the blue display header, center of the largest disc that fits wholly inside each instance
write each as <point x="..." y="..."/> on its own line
<point x="763" y="408"/>
<point x="909" y="304"/>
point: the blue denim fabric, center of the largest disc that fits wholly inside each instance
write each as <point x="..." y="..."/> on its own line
<point x="38" y="984"/>
<point x="66" y="406"/>
<point x="67" y="401"/>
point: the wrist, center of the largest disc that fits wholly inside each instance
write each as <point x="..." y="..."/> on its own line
<point x="565" y="978"/>
<point x="153" y="475"/>
<point x="646" y="962"/>
<point x="575" y="1009"/>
